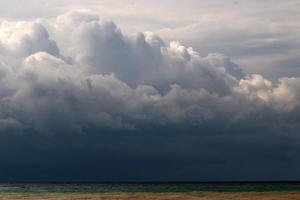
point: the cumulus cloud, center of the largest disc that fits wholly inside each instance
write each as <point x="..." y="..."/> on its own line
<point x="21" y="39"/>
<point x="76" y="92"/>
<point x="78" y="72"/>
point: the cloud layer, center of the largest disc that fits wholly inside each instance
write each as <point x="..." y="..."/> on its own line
<point x="90" y="74"/>
<point x="80" y="75"/>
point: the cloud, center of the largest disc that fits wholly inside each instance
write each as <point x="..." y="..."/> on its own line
<point x="77" y="83"/>
<point x="259" y="36"/>
<point x="256" y="35"/>
<point x="22" y="39"/>
<point x="92" y="75"/>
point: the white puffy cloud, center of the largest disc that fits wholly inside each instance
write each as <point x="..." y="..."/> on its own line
<point x="90" y="75"/>
<point x="22" y="39"/>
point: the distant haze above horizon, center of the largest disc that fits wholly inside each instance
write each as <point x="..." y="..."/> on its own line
<point x="149" y="90"/>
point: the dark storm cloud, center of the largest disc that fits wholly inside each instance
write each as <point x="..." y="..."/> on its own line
<point x="80" y="100"/>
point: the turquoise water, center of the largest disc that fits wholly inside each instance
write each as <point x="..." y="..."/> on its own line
<point x="148" y="188"/>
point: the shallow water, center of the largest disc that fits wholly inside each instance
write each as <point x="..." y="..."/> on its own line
<point x="154" y="196"/>
<point x="148" y="188"/>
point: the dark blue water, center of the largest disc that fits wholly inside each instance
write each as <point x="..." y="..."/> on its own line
<point x="149" y="188"/>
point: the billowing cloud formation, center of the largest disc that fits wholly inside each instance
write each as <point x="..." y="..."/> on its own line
<point x="90" y="75"/>
<point x="83" y="101"/>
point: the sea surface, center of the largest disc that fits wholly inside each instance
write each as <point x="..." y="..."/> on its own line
<point x="112" y="188"/>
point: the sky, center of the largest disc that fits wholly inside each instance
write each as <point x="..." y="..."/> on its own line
<point x="149" y="90"/>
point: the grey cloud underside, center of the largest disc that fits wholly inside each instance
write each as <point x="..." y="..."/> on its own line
<point x="80" y="91"/>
